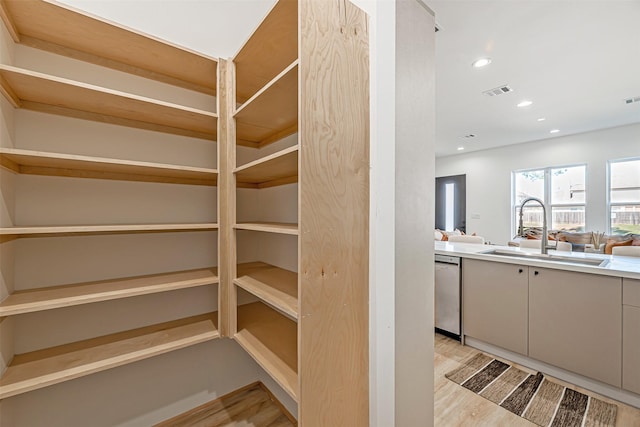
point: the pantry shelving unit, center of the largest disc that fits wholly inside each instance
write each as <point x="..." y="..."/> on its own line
<point x="304" y="71"/>
<point x="303" y="75"/>
<point x="61" y="30"/>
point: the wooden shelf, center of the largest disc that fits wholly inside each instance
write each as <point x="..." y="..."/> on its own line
<point x="277" y="169"/>
<point x="275" y="286"/>
<point x="271" y="47"/>
<point x="269" y="227"/>
<point x="84" y="293"/>
<point x="68" y="230"/>
<point x="66" y="31"/>
<point x="271" y="339"/>
<point x="49" y="94"/>
<point x="38" y="369"/>
<point x="71" y="165"/>
<point x="272" y="113"/>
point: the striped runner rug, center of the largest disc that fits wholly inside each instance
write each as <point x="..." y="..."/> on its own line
<point x="532" y="396"/>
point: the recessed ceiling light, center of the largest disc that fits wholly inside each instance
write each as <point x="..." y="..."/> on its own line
<point x="460" y="148"/>
<point x="542" y="119"/>
<point x="482" y="62"/>
<point x="554" y="131"/>
<point x="525" y="103"/>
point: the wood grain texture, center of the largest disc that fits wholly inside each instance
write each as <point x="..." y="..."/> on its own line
<point x="29" y="301"/>
<point x="69" y="230"/>
<point x="67" y="31"/>
<point x="275" y="286"/>
<point x="58" y="93"/>
<point x="72" y="165"/>
<point x="38" y="369"/>
<point x="269" y="227"/>
<point x="271" y="111"/>
<point x="8" y="22"/>
<point x="276" y="169"/>
<point x="252" y="405"/>
<point x="271" y="339"/>
<point x="227" y="198"/>
<point x="334" y="207"/>
<point x="269" y="50"/>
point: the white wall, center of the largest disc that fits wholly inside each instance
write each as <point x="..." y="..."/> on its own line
<point x="489" y="175"/>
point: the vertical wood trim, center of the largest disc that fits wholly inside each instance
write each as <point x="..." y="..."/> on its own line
<point x="8" y="22"/>
<point x="227" y="197"/>
<point x="334" y="214"/>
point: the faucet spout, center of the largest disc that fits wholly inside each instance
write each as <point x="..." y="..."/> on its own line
<point x="543" y="242"/>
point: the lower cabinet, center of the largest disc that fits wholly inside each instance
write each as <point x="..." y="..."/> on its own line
<point x="495" y="303"/>
<point x="574" y="322"/>
<point x="631" y="335"/>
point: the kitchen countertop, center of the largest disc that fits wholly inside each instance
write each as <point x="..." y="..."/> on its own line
<point x="618" y="266"/>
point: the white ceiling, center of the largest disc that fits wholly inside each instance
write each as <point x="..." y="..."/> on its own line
<point x="577" y="60"/>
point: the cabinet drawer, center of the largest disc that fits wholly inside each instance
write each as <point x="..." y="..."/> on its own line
<point x="631" y="292"/>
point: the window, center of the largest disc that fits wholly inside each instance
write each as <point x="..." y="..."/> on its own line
<point x="624" y="196"/>
<point x="561" y="189"/>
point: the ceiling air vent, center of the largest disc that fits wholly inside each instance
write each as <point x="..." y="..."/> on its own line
<point x="632" y="100"/>
<point x="498" y="90"/>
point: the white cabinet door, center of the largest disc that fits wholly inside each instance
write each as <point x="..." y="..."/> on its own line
<point x="495" y="303"/>
<point x="574" y="322"/>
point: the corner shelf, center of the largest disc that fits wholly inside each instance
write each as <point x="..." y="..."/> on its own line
<point x="70" y="230"/>
<point x="64" y="30"/>
<point x="275" y="286"/>
<point x="277" y="169"/>
<point x="42" y="368"/>
<point x="49" y="94"/>
<point x="71" y="165"/>
<point x="271" y="47"/>
<point x="272" y="113"/>
<point x="271" y="339"/>
<point x="33" y="300"/>
<point x="269" y="227"/>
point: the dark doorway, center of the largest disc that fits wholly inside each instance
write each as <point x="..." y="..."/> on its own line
<point x="451" y="203"/>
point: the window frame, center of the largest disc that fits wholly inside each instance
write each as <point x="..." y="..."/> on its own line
<point x="608" y="198"/>
<point x="547" y="194"/>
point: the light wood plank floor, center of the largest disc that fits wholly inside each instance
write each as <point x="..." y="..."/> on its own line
<point x="249" y="406"/>
<point x="456" y="406"/>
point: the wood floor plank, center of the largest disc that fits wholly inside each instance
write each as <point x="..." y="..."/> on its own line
<point x="249" y="406"/>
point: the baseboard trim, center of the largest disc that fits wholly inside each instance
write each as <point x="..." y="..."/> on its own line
<point x="609" y="391"/>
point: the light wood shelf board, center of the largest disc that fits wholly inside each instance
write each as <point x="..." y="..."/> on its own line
<point x="65" y="230"/>
<point x="269" y="227"/>
<point x="71" y="165"/>
<point x="271" y="111"/>
<point x="38" y="91"/>
<point x="275" y="286"/>
<point x="67" y="31"/>
<point x="271" y="47"/>
<point x="38" y="369"/>
<point x="271" y="339"/>
<point x="84" y="293"/>
<point x="273" y="169"/>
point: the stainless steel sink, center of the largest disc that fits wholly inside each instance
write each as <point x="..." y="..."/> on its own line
<point x="549" y="257"/>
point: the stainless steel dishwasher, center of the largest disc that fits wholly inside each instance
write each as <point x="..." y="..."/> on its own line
<point x="447" y="295"/>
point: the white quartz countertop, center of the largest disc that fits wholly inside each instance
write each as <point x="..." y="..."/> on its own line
<point x="619" y="266"/>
